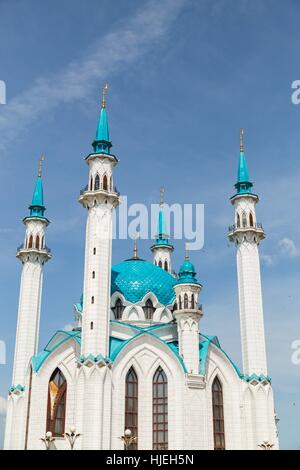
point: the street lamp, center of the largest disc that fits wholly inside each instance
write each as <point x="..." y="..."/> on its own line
<point x="72" y="436"/>
<point x="128" y="438"/>
<point x="266" y="445"/>
<point x="48" y="439"/>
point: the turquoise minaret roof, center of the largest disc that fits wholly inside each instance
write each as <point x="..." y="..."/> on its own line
<point x="187" y="273"/>
<point x="162" y="238"/>
<point x="37" y="207"/>
<point x="102" y="143"/>
<point x="243" y="184"/>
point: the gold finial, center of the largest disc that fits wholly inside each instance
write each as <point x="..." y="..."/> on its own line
<point x="104" y="93"/>
<point x="162" y="192"/>
<point x="135" y="255"/>
<point x="187" y="251"/>
<point x="42" y="158"/>
<point x="241" y="140"/>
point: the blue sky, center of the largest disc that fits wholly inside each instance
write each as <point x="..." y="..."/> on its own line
<point x="184" y="76"/>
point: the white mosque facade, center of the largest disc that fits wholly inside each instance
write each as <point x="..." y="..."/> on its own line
<point x="137" y="357"/>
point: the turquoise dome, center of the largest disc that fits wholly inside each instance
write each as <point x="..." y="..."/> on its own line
<point x="187" y="274"/>
<point x="134" y="278"/>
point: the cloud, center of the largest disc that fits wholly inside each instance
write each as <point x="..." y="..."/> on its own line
<point x="108" y="55"/>
<point x="3" y="406"/>
<point x="268" y="260"/>
<point x="288" y="248"/>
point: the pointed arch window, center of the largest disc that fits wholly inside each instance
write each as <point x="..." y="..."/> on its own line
<point x="105" y="182"/>
<point x="180" y="303"/>
<point x="30" y="242"/>
<point x="160" y="410"/>
<point x="166" y="267"/>
<point x="218" y="415"/>
<point x="148" y="309"/>
<point x="131" y="404"/>
<point x="244" y="220"/>
<point x="37" y="242"/>
<point x="118" y="309"/>
<point x="160" y="263"/>
<point x="192" y="301"/>
<point x="238" y="220"/>
<point x="251" y="222"/>
<point x="56" y="410"/>
<point x="91" y="184"/>
<point x="97" y="183"/>
<point x="186" y="301"/>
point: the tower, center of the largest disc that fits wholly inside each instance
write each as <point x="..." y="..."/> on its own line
<point x="99" y="198"/>
<point x="246" y="234"/>
<point x="33" y="253"/>
<point x="188" y="314"/>
<point x="162" y="249"/>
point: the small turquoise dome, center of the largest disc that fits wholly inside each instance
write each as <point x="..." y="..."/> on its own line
<point x="187" y="273"/>
<point x="134" y="278"/>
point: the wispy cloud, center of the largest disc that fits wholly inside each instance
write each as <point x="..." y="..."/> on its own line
<point x="108" y="55"/>
<point x="288" y="248"/>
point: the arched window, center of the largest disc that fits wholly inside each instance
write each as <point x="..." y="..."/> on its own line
<point x="175" y="307"/>
<point x="192" y="301"/>
<point x="251" y="223"/>
<point x="180" y="303"/>
<point x="118" y="309"/>
<point x="166" y="267"/>
<point x="56" y="410"/>
<point x="218" y="415"/>
<point x="105" y="182"/>
<point x="30" y="243"/>
<point x="160" y="263"/>
<point x="93" y="299"/>
<point x="93" y="275"/>
<point x="91" y="184"/>
<point x="131" y="404"/>
<point x="238" y="220"/>
<point x="186" y="301"/>
<point x="37" y="242"/>
<point x="110" y="184"/>
<point x="244" y="220"/>
<point x="42" y="242"/>
<point x="160" y="410"/>
<point x="148" y="309"/>
<point x="97" y="183"/>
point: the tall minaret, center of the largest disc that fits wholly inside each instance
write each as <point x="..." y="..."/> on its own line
<point x="32" y="254"/>
<point x="246" y="234"/>
<point x="188" y="314"/>
<point x="99" y="198"/>
<point x="162" y="248"/>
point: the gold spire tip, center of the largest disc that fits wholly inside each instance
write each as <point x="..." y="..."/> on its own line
<point x="162" y="193"/>
<point x="135" y="251"/>
<point x="241" y="139"/>
<point x="42" y="158"/>
<point x="187" y="251"/>
<point x="104" y="93"/>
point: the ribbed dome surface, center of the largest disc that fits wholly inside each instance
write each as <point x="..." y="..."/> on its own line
<point x="135" y="278"/>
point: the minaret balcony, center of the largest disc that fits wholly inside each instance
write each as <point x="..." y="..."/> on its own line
<point x="22" y="249"/>
<point x="86" y="189"/>
<point x="238" y="230"/>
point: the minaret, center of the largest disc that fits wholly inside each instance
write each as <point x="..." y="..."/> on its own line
<point x="188" y="314"/>
<point x="100" y="199"/>
<point x="33" y="253"/>
<point x="246" y="234"/>
<point x="162" y="248"/>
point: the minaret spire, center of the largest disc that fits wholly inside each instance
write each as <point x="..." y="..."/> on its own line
<point x="33" y="254"/>
<point x="162" y="248"/>
<point x="102" y="143"/>
<point x="246" y="233"/>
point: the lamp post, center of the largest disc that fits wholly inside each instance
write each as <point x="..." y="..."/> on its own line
<point x="128" y="438"/>
<point x="48" y="439"/>
<point x="71" y="436"/>
<point x="266" y="445"/>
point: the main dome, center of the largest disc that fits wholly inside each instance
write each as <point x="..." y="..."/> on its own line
<point x="134" y="278"/>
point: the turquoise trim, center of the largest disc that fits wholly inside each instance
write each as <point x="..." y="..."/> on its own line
<point x="162" y="238"/>
<point x="19" y="388"/>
